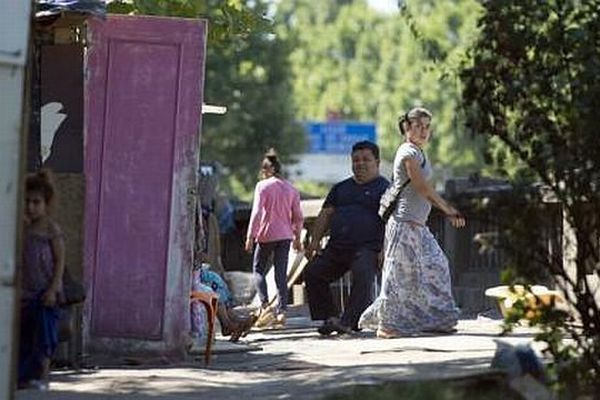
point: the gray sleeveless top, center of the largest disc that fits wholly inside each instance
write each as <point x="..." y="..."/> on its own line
<point x="411" y="205"/>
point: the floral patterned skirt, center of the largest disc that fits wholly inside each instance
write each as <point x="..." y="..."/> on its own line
<point x="416" y="291"/>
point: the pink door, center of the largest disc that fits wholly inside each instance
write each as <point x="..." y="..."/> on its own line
<point x="144" y="88"/>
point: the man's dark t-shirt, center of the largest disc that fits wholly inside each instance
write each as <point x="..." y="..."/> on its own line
<point x="355" y="223"/>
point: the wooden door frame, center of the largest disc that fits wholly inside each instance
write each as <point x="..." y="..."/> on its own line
<point x="180" y="251"/>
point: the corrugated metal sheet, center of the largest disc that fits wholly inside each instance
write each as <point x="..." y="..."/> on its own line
<point x="45" y="8"/>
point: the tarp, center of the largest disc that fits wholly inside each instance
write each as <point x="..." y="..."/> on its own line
<point x="45" y="8"/>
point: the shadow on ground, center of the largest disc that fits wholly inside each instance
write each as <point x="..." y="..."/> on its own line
<point x="488" y="387"/>
<point x="272" y="376"/>
<point x="290" y="367"/>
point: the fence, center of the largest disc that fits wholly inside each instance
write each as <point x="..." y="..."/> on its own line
<point x="472" y="269"/>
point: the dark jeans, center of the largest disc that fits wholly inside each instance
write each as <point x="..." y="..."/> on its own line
<point x="330" y="266"/>
<point x="38" y="338"/>
<point x="280" y="250"/>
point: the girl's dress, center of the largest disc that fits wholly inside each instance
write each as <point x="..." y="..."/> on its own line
<point x="39" y="324"/>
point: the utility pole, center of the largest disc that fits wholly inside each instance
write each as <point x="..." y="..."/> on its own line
<point x="15" y="22"/>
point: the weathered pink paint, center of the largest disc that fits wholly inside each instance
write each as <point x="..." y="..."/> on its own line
<point x="144" y="91"/>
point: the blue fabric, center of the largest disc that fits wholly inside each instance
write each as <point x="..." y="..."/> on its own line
<point x="529" y="362"/>
<point x="38" y="338"/>
<point x="218" y="285"/>
<point x="226" y="219"/>
<point x="355" y="222"/>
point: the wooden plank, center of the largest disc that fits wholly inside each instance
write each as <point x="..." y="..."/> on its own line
<point x="144" y="94"/>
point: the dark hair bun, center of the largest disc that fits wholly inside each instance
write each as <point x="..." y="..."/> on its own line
<point x="271" y="155"/>
<point x="272" y="160"/>
<point x="44" y="175"/>
<point x="41" y="181"/>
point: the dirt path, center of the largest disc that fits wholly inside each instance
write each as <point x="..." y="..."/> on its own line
<point x="292" y="363"/>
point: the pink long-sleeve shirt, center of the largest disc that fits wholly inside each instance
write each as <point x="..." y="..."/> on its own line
<point x="276" y="213"/>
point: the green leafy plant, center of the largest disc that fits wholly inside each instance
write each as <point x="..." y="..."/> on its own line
<point x="532" y="85"/>
<point x="354" y="63"/>
<point x="229" y="19"/>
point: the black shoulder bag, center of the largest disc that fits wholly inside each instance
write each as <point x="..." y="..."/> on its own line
<point x="73" y="290"/>
<point x="389" y="199"/>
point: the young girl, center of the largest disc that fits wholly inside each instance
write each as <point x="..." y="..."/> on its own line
<point x="275" y="221"/>
<point x="41" y="282"/>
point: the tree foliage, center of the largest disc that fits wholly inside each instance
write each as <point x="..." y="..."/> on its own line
<point x="532" y="86"/>
<point x="253" y="80"/>
<point x="229" y="19"/>
<point x="369" y="66"/>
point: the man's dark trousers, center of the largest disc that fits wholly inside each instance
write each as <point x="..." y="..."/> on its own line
<point x="330" y="266"/>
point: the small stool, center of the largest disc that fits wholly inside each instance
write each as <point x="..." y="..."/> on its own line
<point x="210" y="302"/>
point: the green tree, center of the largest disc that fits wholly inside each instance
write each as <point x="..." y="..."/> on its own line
<point x="371" y="67"/>
<point x="532" y="86"/>
<point x="229" y="19"/>
<point x="252" y="78"/>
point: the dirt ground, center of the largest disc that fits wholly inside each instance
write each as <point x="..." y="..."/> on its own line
<point x="294" y="363"/>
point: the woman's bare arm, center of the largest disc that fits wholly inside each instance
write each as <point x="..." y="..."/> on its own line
<point x="424" y="188"/>
<point x="58" y="249"/>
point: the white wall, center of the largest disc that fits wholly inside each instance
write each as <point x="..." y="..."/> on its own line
<point x="327" y="168"/>
<point x="14" y="31"/>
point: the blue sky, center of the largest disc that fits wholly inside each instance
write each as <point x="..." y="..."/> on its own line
<point x="384" y="5"/>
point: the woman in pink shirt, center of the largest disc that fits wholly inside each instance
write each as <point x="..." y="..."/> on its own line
<point x="276" y="220"/>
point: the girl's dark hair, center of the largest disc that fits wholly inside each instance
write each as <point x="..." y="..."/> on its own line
<point x="41" y="182"/>
<point x="414" y="113"/>
<point x="271" y="161"/>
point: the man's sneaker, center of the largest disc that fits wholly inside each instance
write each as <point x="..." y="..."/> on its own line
<point x="333" y="325"/>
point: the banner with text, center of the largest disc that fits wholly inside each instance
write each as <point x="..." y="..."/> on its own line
<point x="337" y="137"/>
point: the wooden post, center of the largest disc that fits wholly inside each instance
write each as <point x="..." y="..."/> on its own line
<point x="14" y="36"/>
